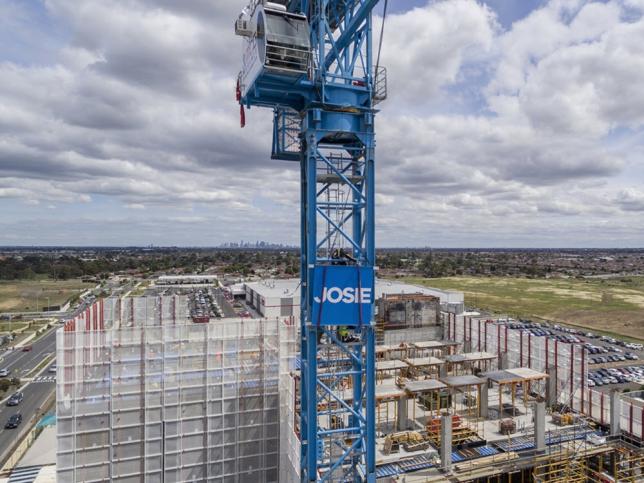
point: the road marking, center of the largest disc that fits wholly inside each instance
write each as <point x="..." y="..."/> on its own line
<point x="45" y="379"/>
<point x="25" y="475"/>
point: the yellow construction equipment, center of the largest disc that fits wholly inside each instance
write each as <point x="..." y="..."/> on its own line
<point x="410" y="440"/>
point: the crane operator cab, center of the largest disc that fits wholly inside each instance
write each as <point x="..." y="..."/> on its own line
<point x="277" y="43"/>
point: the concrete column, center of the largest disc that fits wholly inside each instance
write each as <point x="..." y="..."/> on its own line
<point x="467" y="346"/>
<point x="503" y="363"/>
<point x="401" y="416"/>
<point x="615" y="412"/>
<point x="442" y="370"/>
<point x="484" y="400"/>
<point x="540" y="426"/>
<point x="446" y="443"/>
<point x="551" y="387"/>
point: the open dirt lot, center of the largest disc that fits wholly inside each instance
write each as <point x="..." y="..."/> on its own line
<point x="609" y="305"/>
<point x="19" y="296"/>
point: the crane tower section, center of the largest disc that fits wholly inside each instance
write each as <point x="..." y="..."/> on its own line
<point x="312" y="62"/>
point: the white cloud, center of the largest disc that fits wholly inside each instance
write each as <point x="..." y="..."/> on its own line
<point x="631" y="199"/>
<point x="426" y="47"/>
<point x="535" y="126"/>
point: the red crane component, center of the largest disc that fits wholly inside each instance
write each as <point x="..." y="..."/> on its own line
<point x="238" y="96"/>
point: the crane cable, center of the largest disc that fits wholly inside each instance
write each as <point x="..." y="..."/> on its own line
<point x="382" y="34"/>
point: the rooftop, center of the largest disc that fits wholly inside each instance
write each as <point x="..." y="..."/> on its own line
<point x="163" y="278"/>
<point x="288" y="287"/>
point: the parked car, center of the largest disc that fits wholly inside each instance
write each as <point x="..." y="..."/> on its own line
<point x="52" y="369"/>
<point x="4" y="372"/>
<point x="15" y="399"/>
<point x="14" y="421"/>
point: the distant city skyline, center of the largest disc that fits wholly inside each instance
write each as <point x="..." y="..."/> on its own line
<point x="508" y="124"/>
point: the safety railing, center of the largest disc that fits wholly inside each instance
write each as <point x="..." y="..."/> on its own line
<point x="380" y="85"/>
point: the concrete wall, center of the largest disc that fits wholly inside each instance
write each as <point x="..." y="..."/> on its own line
<point x="407" y="311"/>
<point x="394" y="337"/>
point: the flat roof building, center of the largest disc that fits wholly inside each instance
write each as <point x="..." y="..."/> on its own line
<point x="281" y="297"/>
<point x="190" y="280"/>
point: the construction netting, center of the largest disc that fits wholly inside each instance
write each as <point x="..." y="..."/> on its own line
<point x="156" y="395"/>
<point x="290" y="445"/>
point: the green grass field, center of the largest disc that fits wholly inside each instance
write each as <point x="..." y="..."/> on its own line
<point x="23" y="295"/>
<point x="610" y="305"/>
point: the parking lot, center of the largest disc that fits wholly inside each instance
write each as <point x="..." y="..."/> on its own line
<point x="612" y="363"/>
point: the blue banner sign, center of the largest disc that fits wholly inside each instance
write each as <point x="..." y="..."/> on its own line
<point x="342" y="295"/>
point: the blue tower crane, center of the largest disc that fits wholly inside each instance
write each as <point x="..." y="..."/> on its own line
<point x="312" y="62"/>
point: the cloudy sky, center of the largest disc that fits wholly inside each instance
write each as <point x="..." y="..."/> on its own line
<point x="509" y="123"/>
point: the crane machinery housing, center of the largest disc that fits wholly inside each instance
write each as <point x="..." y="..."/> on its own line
<point x="312" y="62"/>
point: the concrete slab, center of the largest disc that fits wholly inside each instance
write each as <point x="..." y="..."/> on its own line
<point x="415" y="387"/>
<point x="434" y="344"/>
<point x="392" y="365"/>
<point x="461" y="381"/>
<point x="424" y="361"/>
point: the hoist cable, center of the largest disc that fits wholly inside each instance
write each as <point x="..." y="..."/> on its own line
<point x="382" y="34"/>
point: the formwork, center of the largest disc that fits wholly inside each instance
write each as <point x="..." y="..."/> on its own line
<point x="565" y="363"/>
<point x="628" y="464"/>
<point x="561" y="471"/>
<point x="152" y="394"/>
<point x="519" y="348"/>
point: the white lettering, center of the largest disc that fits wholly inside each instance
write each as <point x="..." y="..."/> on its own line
<point x="334" y="295"/>
<point x="348" y="295"/>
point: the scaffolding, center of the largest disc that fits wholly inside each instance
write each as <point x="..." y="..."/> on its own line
<point x="567" y="470"/>
<point x="154" y="394"/>
<point x="628" y="464"/>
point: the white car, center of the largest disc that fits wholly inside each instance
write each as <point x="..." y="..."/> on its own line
<point x="4" y="372"/>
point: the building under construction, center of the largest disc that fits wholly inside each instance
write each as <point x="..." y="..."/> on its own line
<point x="142" y="390"/>
<point x="146" y="394"/>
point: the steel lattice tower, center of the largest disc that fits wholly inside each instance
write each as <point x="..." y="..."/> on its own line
<point x="312" y="62"/>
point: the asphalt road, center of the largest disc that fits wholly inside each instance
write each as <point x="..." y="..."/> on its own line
<point x="21" y="363"/>
<point x="31" y="408"/>
<point x="224" y="304"/>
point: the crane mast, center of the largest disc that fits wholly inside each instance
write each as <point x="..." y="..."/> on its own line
<point x="311" y="61"/>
